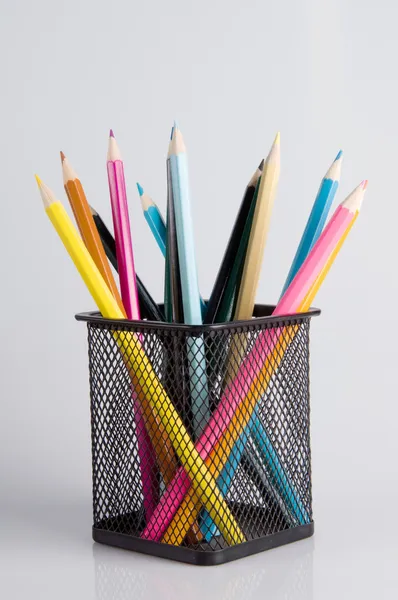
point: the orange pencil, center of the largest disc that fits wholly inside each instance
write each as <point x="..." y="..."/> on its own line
<point x="85" y="222"/>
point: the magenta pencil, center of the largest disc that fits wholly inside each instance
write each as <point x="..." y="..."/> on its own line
<point x="121" y="225"/>
<point x="251" y="366"/>
<point x="129" y="292"/>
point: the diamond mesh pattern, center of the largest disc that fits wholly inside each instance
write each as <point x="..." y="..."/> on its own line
<point x="255" y="482"/>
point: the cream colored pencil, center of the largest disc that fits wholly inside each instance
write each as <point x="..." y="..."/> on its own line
<point x="254" y="256"/>
<point x="258" y="234"/>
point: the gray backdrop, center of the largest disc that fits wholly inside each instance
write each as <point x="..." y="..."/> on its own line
<point x="323" y="72"/>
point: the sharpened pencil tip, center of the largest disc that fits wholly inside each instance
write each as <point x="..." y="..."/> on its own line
<point x="111" y="134"/>
<point x="364" y="184"/>
<point x="339" y="155"/>
<point x="140" y="189"/>
<point x="261" y="165"/>
<point x="277" y="139"/>
<point x="38" y="180"/>
<point x="62" y="156"/>
<point x="93" y="211"/>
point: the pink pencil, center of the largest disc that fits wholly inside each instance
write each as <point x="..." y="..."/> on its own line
<point x="121" y="225"/>
<point x="252" y="365"/>
<point x="128" y="288"/>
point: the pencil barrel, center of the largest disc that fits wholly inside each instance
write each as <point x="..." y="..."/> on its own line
<point x="246" y="491"/>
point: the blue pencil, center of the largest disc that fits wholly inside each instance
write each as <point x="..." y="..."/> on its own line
<point x="154" y="219"/>
<point x="270" y="460"/>
<point x="189" y="280"/>
<point x="317" y="218"/>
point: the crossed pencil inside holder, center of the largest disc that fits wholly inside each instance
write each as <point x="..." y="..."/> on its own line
<point x="201" y="435"/>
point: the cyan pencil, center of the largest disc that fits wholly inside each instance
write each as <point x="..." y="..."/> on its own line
<point x="317" y="218"/>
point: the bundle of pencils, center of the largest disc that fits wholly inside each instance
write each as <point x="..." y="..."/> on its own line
<point x="193" y="435"/>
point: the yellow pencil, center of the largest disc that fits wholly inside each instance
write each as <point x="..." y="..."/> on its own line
<point x="132" y="352"/>
<point x="191" y="505"/>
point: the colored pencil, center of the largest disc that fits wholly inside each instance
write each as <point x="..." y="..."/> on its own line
<point x="85" y="222"/>
<point x="254" y="253"/>
<point x="121" y="225"/>
<point x="349" y="208"/>
<point x="317" y="218"/>
<point x="231" y="254"/>
<point x="142" y="373"/>
<point x="258" y="234"/>
<point x="159" y="233"/>
<point x="233" y="413"/>
<point x="189" y="280"/>
<point x="91" y="238"/>
<point x="174" y="309"/>
<point x="256" y="427"/>
<point x="154" y="218"/>
<point x="176" y="358"/>
<point x="89" y="233"/>
<point x="149" y="309"/>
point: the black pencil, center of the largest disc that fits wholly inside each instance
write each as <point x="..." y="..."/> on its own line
<point x="148" y="306"/>
<point x="228" y="260"/>
<point x="173" y="293"/>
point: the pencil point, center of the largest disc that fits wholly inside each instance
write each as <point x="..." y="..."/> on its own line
<point x="140" y="189"/>
<point x="93" y="211"/>
<point x="177" y="145"/>
<point x="339" y="155"/>
<point x="62" y="156"/>
<point x="353" y="202"/>
<point x="277" y="139"/>
<point x="38" y="180"/>
<point x="113" y="148"/>
<point x="261" y="165"/>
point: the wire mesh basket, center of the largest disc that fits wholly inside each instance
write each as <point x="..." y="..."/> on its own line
<point x="200" y="435"/>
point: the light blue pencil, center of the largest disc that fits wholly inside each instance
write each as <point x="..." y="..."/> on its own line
<point x="154" y="219"/>
<point x="157" y="225"/>
<point x="189" y="280"/>
<point x="317" y="218"/>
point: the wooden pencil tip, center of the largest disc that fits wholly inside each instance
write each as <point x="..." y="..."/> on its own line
<point x="93" y="211"/>
<point x="111" y="133"/>
<point x="38" y="180"/>
<point x="277" y="139"/>
<point x="140" y="189"/>
<point x="62" y="156"/>
<point x="261" y="165"/>
<point x="364" y="184"/>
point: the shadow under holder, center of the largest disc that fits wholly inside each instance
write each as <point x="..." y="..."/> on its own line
<point x="266" y="479"/>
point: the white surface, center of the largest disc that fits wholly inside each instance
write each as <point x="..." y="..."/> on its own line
<point x="46" y="552"/>
<point x="324" y="73"/>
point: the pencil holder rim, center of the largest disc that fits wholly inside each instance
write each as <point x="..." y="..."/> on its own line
<point x="94" y="317"/>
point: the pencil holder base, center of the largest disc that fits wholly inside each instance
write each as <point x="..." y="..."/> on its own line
<point x="190" y="555"/>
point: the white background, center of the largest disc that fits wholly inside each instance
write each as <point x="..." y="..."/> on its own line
<point x="324" y="73"/>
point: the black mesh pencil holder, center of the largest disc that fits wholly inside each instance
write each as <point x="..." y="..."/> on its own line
<point x="200" y="435"/>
